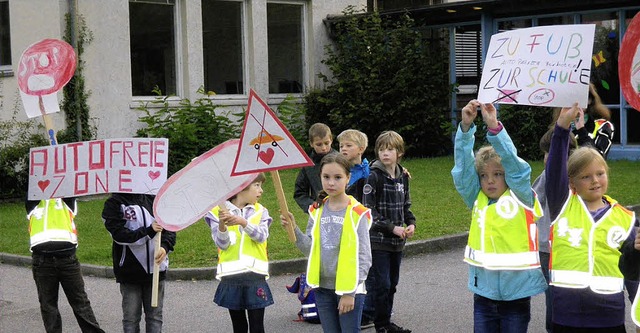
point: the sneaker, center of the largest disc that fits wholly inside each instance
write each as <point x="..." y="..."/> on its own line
<point x="366" y="324"/>
<point x="392" y="328"/>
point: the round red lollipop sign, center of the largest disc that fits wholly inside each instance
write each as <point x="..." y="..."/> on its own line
<point x="45" y="67"/>
<point x="629" y="63"/>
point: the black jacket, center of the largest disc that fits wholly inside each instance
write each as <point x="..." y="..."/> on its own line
<point x="128" y="218"/>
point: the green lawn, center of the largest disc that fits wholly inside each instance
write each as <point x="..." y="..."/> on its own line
<point x="437" y="206"/>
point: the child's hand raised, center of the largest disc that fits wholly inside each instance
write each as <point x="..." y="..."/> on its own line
<point x="568" y="115"/>
<point x="469" y="114"/>
<point x="489" y="115"/>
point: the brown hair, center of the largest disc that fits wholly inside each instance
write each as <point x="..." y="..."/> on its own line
<point x="545" y="141"/>
<point x="390" y="139"/>
<point x="333" y="158"/>
<point x="319" y="130"/>
<point x="595" y="108"/>
<point x="260" y="177"/>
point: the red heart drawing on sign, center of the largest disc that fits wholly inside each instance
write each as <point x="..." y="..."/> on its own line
<point x="154" y="174"/>
<point x="267" y="155"/>
<point x="43" y="184"/>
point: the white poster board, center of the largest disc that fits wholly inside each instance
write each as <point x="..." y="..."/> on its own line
<point x="542" y="66"/>
<point x="135" y="165"/>
<point x="198" y="187"/>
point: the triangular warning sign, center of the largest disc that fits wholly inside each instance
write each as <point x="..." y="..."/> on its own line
<point x="265" y="143"/>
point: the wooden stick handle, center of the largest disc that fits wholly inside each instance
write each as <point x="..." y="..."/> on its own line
<point x="156" y="272"/>
<point x="282" y="203"/>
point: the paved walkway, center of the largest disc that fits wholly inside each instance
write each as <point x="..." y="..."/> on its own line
<point x="432" y="297"/>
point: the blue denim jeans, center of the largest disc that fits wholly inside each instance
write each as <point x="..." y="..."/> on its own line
<point x="381" y="284"/>
<point x="49" y="273"/>
<point x="327" y="304"/>
<point x="135" y="297"/>
<point x="491" y="316"/>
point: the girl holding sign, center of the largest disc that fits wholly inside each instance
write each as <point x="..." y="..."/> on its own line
<point x="338" y="247"/>
<point x="240" y="229"/>
<point x="594" y="244"/>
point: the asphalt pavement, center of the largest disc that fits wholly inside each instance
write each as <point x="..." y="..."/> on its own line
<point x="432" y="296"/>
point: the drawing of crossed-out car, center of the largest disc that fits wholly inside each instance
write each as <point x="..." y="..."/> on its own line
<point x="265" y="137"/>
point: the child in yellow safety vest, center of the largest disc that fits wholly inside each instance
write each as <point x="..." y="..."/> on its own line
<point x="502" y="251"/>
<point x="240" y="228"/>
<point x="337" y="244"/>
<point x="594" y="245"/>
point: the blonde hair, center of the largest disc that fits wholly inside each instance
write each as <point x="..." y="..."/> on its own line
<point x="390" y="139"/>
<point x="319" y="130"/>
<point x="581" y="158"/>
<point x="354" y="136"/>
<point x="486" y="155"/>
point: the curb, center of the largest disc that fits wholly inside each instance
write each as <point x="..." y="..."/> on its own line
<point x="278" y="267"/>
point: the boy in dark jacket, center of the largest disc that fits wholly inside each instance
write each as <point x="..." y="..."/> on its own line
<point x="308" y="181"/>
<point x="387" y="195"/>
<point x="128" y="218"/>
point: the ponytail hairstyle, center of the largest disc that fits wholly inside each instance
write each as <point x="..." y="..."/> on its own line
<point x="328" y="159"/>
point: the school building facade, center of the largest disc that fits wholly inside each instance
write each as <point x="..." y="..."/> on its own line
<point x="275" y="47"/>
<point x="467" y="27"/>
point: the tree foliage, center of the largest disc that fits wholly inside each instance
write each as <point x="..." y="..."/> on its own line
<point x="386" y="75"/>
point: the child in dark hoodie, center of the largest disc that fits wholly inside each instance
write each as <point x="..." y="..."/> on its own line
<point x="308" y="182"/>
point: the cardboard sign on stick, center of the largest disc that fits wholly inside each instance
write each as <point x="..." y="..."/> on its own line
<point x="542" y="66"/>
<point x="134" y="165"/>
<point x="203" y="184"/>
<point x="629" y="64"/>
<point x="265" y="143"/>
<point x="45" y="67"/>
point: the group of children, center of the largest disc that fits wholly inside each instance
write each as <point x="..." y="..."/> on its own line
<point x="359" y="221"/>
<point x="589" y="247"/>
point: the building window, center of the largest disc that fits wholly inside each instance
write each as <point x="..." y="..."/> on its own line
<point x="5" y="37"/>
<point x="222" y="38"/>
<point x="468" y="43"/>
<point x="285" y="35"/>
<point x="153" y="55"/>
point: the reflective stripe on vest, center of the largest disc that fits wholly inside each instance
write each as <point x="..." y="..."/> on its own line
<point x="348" y="270"/>
<point x="585" y="253"/>
<point x="245" y="255"/>
<point x="503" y="235"/>
<point x="52" y="221"/>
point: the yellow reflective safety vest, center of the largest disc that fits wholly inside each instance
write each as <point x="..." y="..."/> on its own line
<point x="348" y="272"/>
<point x="52" y="221"/>
<point x="585" y="253"/>
<point x="244" y="255"/>
<point x="503" y="235"/>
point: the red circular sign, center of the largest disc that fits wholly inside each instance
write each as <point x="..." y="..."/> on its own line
<point x="628" y="72"/>
<point x="45" y="67"/>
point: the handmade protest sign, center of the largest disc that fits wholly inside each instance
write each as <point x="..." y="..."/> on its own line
<point x="267" y="145"/>
<point x="135" y="165"/>
<point x="543" y="66"/>
<point x="44" y="68"/>
<point x="203" y="184"/>
<point x="629" y="64"/>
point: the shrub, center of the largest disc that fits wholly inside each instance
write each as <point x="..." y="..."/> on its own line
<point x="191" y="127"/>
<point x="526" y="125"/>
<point x="386" y="75"/>
<point x="16" y="138"/>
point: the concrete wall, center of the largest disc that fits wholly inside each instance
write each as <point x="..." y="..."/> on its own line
<point x="108" y="63"/>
